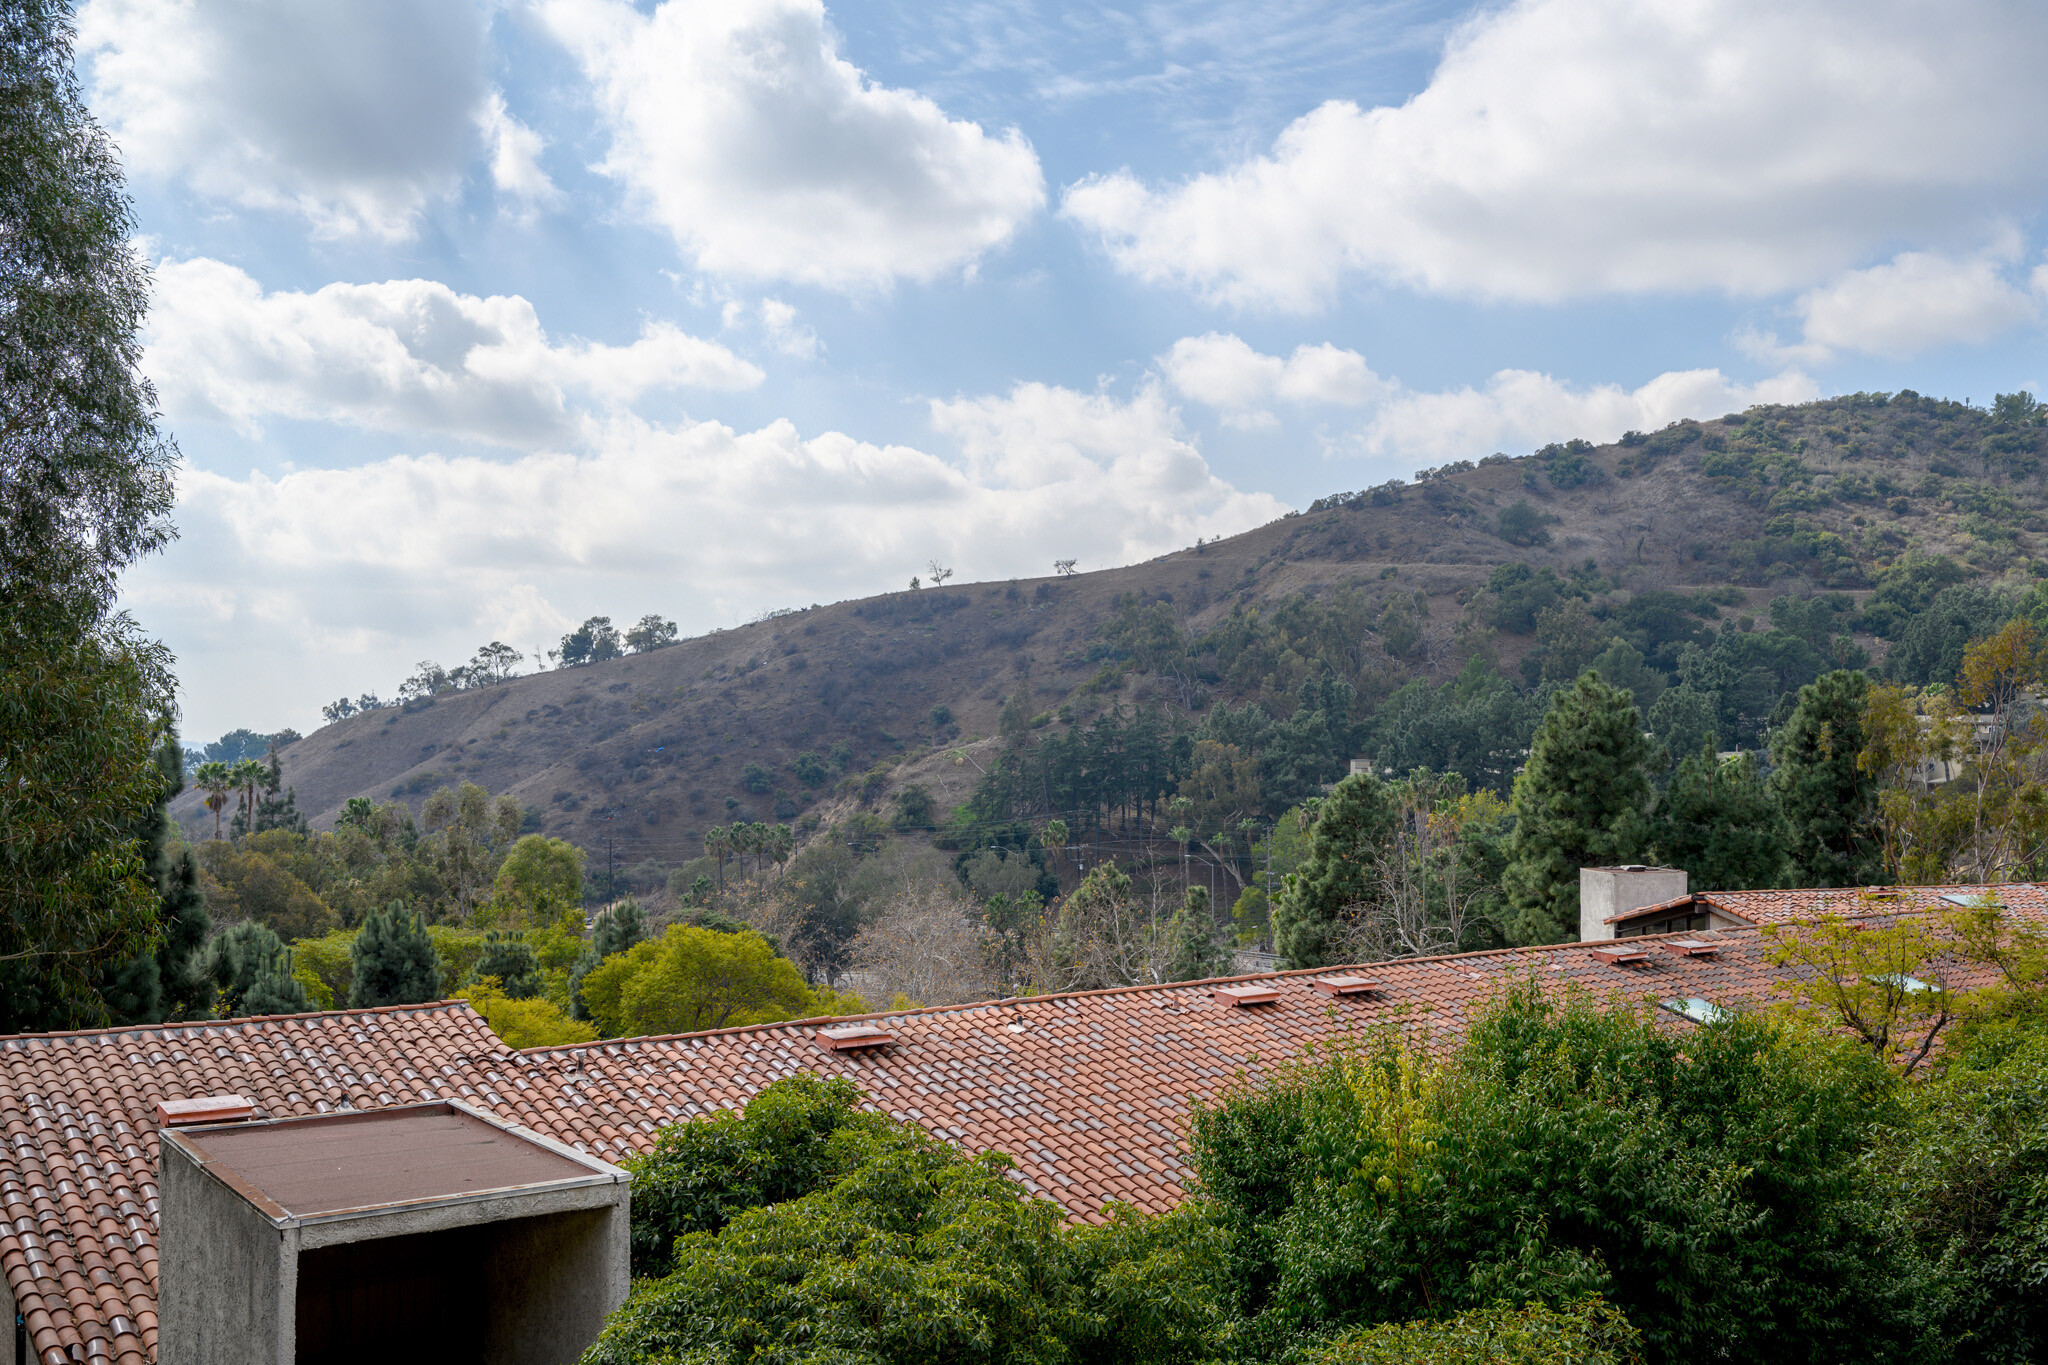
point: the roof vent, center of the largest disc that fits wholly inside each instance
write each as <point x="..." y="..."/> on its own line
<point x="1690" y="947"/>
<point x="1344" y="985"/>
<point x="200" y="1109"/>
<point x="853" y="1037"/>
<point x="1621" y="957"/>
<point x="1237" y="997"/>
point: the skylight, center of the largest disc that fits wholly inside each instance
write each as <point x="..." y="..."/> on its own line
<point x="1911" y="985"/>
<point x="1694" y="1008"/>
<point x="1977" y="900"/>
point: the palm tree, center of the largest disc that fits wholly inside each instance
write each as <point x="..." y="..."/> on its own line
<point x="246" y="776"/>
<point x="213" y="779"/>
<point x="718" y="843"/>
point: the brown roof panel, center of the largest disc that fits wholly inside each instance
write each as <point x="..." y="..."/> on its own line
<point x="412" y="1154"/>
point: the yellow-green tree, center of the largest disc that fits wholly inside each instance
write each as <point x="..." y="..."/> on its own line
<point x="539" y="878"/>
<point x="524" y="1023"/>
<point x="691" y="979"/>
<point x="1963" y="774"/>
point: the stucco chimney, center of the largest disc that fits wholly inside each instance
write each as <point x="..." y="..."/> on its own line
<point x="1608" y="891"/>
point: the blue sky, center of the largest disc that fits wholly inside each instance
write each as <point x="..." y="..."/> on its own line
<point x="475" y="319"/>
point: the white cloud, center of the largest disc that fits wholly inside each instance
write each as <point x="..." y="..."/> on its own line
<point x="1223" y="371"/>
<point x="1518" y="410"/>
<point x="403" y="355"/>
<point x="354" y="115"/>
<point x="515" y="158"/>
<point x="785" y="333"/>
<point x="1914" y="302"/>
<point x="739" y="129"/>
<point x="1567" y="147"/>
<point x="347" y="576"/>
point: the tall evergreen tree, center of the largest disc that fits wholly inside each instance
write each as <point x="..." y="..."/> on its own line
<point x="278" y="807"/>
<point x="1197" y="955"/>
<point x="613" y="933"/>
<point x="393" y="961"/>
<point x="167" y="982"/>
<point x="1582" y="800"/>
<point x="253" y="970"/>
<point x="1718" y="822"/>
<point x="512" y="961"/>
<point x="1338" y="872"/>
<point x="1828" y="804"/>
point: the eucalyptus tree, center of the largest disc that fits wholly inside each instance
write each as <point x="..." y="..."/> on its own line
<point x="86" y="487"/>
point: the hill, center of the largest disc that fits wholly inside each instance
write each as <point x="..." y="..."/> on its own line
<point x="1865" y="499"/>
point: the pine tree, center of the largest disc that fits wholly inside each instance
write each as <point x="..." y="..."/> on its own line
<point x="1718" y="822"/>
<point x="614" y="933"/>
<point x="512" y="961"/>
<point x="275" y="810"/>
<point x="1828" y="804"/>
<point x="166" y="983"/>
<point x="1581" y="801"/>
<point x="253" y="970"/>
<point x="1338" y="872"/>
<point x="1197" y="955"/>
<point x="392" y="961"/>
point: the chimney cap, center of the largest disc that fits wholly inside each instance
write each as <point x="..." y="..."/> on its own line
<point x="849" y="1037"/>
<point x="1344" y="985"/>
<point x="1237" y="997"/>
<point x="198" y="1109"/>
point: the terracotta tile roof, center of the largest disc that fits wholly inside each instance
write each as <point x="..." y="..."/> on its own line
<point x="78" y="1197"/>
<point x="1087" y="1092"/>
<point x="2027" y="899"/>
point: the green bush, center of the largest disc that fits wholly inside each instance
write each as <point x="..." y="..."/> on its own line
<point x="1588" y="1331"/>
<point x="901" y="1249"/>
<point x="1712" y="1186"/>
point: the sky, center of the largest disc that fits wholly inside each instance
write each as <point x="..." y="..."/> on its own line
<point x="473" y="320"/>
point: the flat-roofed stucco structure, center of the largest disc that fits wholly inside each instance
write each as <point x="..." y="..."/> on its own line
<point x="418" y="1232"/>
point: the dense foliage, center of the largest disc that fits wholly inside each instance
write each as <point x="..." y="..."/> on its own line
<point x="812" y="1232"/>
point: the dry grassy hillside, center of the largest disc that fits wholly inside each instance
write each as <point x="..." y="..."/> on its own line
<point x="650" y="749"/>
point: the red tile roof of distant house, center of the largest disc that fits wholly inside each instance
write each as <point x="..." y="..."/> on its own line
<point x="1087" y="1092"/>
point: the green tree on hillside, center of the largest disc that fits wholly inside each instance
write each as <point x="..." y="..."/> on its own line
<point x="1338" y="873"/>
<point x="1826" y="799"/>
<point x="1581" y="801"/>
<point x="1195" y="951"/>
<point x="592" y="642"/>
<point x="212" y="778"/>
<point x="692" y="978"/>
<point x="653" y="632"/>
<point x="615" y="931"/>
<point x="253" y="970"/>
<point x="169" y="981"/>
<point x="393" y="961"/>
<point x="511" y="962"/>
<point x="1718" y="822"/>
<point x="540" y="872"/>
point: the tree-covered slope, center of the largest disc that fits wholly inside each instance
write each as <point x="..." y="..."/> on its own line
<point x="1770" y="543"/>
